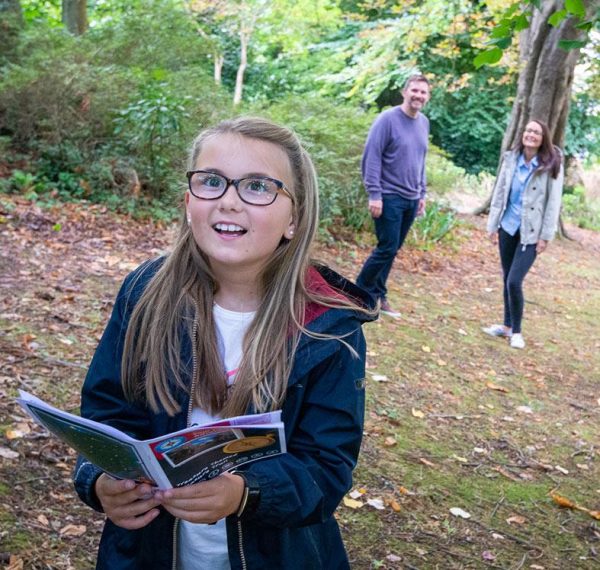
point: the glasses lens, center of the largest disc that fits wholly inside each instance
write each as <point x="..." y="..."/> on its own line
<point x="532" y="132"/>
<point x="260" y="191"/>
<point x="207" y="185"/>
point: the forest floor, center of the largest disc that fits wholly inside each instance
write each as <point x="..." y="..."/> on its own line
<point x="465" y="438"/>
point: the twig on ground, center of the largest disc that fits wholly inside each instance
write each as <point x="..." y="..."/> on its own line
<point x="497" y="506"/>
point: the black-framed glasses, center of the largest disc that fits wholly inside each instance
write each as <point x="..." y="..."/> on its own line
<point x="255" y="190"/>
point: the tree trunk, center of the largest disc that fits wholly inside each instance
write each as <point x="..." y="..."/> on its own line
<point x="74" y="16"/>
<point x="239" y="78"/>
<point x="219" y="60"/>
<point x="545" y="79"/>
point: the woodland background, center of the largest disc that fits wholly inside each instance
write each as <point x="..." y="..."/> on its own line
<point x="99" y="101"/>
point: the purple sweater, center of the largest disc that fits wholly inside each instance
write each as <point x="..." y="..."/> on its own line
<point x="394" y="156"/>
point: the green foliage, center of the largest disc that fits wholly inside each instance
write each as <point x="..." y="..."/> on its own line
<point x="150" y="125"/>
<point x="469" y="123"/>
<point x="582" y="136"/>
<point x="436" y="224"/>
<point x="579" y="210"/>
<point x="334" y="135"/>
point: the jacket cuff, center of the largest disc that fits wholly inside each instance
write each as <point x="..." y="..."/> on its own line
<point x="84" y="478"/>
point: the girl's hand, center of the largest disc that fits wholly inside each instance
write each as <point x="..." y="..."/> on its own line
<point x="205" y="502"/>
<point x="126" y="503"/>
<point x="541" y="245"/>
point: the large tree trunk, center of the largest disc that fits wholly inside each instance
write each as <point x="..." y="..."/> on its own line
<point x="545" y="79"/>
<point x="74" y="16"/>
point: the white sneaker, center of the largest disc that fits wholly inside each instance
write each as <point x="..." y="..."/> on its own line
<point x="516" y="341"/>
<point x="497" y="330"/>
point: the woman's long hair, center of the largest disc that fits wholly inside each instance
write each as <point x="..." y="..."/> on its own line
<point x="179" y="299"/>
<point x="549" y="156"/>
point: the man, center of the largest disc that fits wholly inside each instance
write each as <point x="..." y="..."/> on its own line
<point x="393" y="170"/>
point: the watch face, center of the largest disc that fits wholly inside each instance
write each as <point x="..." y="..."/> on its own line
<point x="249" y="443"/>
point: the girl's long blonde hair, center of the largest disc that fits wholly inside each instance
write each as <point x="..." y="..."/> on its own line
<point x="178" y="304"/>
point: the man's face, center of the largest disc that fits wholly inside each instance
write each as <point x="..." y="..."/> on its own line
<point x="416" y="95"/>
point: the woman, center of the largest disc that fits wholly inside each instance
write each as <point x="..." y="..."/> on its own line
<point x="236" y="319"/>
<point x="523" y="217"/>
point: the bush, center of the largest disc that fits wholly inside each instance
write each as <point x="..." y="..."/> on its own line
<point x="579" y="210"/>
<point x="334" y="135"/>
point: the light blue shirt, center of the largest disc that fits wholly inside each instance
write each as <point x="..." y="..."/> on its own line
<point x="511" y="220"/>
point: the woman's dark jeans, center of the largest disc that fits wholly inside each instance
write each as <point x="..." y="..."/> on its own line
<point x="516" y="261"/>
<point x="391" y="229"/>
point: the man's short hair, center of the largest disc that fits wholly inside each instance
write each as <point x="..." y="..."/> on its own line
<point x="416" y="78"/>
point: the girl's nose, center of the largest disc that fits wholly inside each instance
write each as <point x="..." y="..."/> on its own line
<point x="230" y="200"/>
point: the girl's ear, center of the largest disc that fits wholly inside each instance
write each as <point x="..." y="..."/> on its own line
<point x="291" y="230"/>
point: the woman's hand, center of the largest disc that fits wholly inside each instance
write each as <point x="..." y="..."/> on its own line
<point x="541" y="245"/>
<point x="493" y="237"/>
<point x="205" y="502"/>
<point x="126" y="503"/>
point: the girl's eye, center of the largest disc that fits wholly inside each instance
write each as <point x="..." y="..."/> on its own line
<point x="212" y="181"/>
<point x="257" y="185"/>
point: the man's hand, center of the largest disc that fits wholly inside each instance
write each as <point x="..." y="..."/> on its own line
<point x="421" y="207"/>
<point x="126" y="503"/>
<point x="375" y="208"/>
<point x="541" y="245"/>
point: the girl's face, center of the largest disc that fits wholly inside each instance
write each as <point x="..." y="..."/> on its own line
<point x="533" y="136"/>
<point x="236" y="236"/>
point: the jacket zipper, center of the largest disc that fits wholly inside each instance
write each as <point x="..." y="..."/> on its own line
<point x="188" y="419"/>
<point x="241" y="544"/>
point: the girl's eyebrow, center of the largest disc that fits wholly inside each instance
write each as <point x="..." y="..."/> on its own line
<point x="248" y="175"/>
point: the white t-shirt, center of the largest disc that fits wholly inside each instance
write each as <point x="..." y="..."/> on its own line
<point x="203" y="546"/>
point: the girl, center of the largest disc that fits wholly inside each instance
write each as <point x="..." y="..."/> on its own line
<point x="236" y="319"/>
<point x="523" y="217"/>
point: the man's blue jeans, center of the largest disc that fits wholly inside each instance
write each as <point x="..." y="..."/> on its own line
<point x="391" y="229"/>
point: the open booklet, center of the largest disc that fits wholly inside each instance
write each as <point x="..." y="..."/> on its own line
<point x="188" y="456"/>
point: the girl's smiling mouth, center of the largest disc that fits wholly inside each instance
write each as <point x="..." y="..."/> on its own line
<point x="229" y="229"/>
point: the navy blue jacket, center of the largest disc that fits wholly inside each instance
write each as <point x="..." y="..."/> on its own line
<point x="293" y="526"/>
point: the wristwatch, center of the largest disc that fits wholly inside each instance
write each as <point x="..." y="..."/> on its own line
<point x="251" y="496"/>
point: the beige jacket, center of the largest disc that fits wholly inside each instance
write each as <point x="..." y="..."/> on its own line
<point x="541" y="201"/>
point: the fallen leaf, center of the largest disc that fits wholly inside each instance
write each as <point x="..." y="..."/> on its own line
<point x="561" y="469"/>
<point x="356" y="494"/>
<point x="376" y="504"/>
<point x="524" y="409"/>
<point x="42" y="519"/>
<point x="380" y="378"/>
<point x="462" y="331"/>
<point x="458" y="458"/>
<point x="458" y="512"/>
<point x="426" y="462"/>
<point x="479" y="450"/>
<point x="417" y="413"/>
<point x="506" y="473"/>
<point x="389" y="441"/>
<point x="74" y="530"/>
<point x="582" y="466"/>
<point x="442" y="363"/>
<point x="8" y="453"/>
<point x="15" y="563"/>
<point x="395" y="506"/>
<point x="487" y="555"/>
<point x="352" y="504"/>
<point x="425" y="348"/>
<point x="393" y="558"/>
<point x="497" y="536"/>
<point x="516" y="519"/>
<point x="493" y="386"/>
<point x="537" y="567"/>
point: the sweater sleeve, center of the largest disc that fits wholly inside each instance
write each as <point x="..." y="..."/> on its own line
<point x="372" y="157"/>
